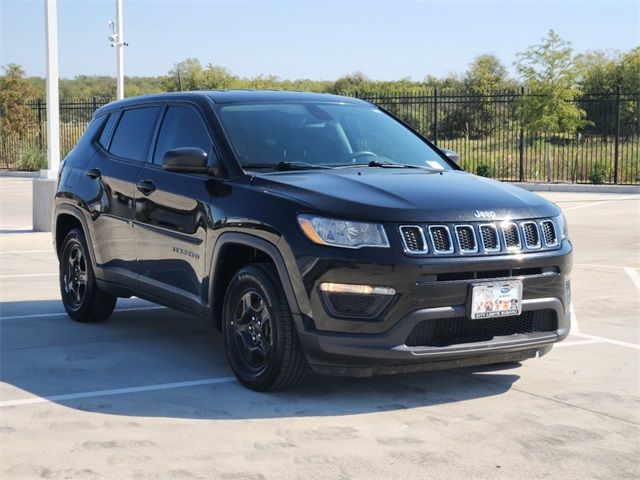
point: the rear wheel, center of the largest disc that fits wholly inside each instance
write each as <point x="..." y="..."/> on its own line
<point x="81" y="297"/>
<point x="260" y="339"/>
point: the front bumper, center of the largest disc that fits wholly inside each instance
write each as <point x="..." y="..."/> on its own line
<point x="365" y="355"/>
<point x="356" y="347"/>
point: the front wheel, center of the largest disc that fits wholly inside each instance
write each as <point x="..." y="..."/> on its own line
<point x="260" y="340"/>
<point x="81" y="297"/>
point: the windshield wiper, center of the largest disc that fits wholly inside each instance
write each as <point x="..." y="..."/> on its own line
<point x="386" y="164"/>
<point x="283" y="166"/>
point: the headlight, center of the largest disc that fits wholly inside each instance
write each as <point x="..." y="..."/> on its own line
<point x="342" y="233"/>
<point x="562" y="225"/>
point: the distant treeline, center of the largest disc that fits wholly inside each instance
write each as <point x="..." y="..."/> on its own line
<point x="595" y="72"/>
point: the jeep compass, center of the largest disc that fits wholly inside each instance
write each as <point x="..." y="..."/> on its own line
<point x="317" y="232"/>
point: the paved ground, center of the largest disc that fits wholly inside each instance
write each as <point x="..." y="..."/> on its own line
<point x="148" y="395"/>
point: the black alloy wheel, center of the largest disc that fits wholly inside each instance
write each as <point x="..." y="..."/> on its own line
<point x="81" y="297"/>
<point x="260" y="339"/>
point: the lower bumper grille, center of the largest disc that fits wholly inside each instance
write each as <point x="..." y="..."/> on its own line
<point x="452" y="331"/>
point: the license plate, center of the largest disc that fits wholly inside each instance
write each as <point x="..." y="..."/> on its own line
<point x="489" y="300"/>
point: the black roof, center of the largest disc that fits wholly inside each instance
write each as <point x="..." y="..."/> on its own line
<point x="235" y="96"/>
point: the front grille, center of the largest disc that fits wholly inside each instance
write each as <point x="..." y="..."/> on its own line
<point x="511" y="236"/>
<point x="549" y="233"/>
<point x="490" y="241"/>
<point x="441" y="238"/>
<point x="479" y="238"/>
<point x="466" y="238"/>
<point x="413" y="239"/>
<point x="531" y="235"/>
<point x="443" y="332"/>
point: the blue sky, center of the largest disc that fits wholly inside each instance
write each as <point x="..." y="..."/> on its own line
<point x="305" y="39"/>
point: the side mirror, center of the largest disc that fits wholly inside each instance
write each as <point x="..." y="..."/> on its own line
<point x="185" y="160"/>
<point x="451" y="155"/>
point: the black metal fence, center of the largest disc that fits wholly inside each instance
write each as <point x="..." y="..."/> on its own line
<point x="483" y="129"/>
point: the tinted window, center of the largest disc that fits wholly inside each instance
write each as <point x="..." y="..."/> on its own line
<point x="181" y="127"/>
<point x="133" y="133"/>
<point x="106" y="131"/>
<point x="322" y="134"/>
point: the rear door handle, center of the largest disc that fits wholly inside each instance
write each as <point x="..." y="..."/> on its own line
<point x="146" y="186"/>
<point x="94" y="173"/>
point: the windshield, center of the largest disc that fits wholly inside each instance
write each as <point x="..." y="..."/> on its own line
<point x="321" y="135"/>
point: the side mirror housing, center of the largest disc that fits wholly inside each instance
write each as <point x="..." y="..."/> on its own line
<point x="451" y="155"/>
<point x="186" y="160"/>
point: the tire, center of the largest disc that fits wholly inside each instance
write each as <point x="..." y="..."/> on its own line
<point x="260" y="339"/>
<point x="81" y="297"/>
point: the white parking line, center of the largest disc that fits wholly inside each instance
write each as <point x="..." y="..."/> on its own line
<point x="593" y="204"/>
<point x="9" y="252"/>
<point x="575" y="328"/>
<point x="29" y="275"/>
<point x="609" y="340"/>
<point x="61" y="314"/>
<point x="597" y="265"/>
<point x="577" y="342"/>
<point x="633" y="275"/>
<point x="116" y="391"/>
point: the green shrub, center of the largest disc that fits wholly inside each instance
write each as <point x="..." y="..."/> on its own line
<point x="485" y="170"/>
<point x="32" y="159"/>
<point x="599" y="174"/>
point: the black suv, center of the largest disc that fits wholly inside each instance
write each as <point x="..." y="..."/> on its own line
<point x="316" y="231"/>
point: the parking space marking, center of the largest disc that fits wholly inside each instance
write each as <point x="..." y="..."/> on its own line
<point x="601" y="202"/>
<point x="633" y="275"/>
<point x="608" y="340"/>
<point x="576" y="343"/>
<point x="59" y="314"/>
<point x="28" y="275"/>
<point x="116" y="391"/>
<point x="575" y="328"/>
<point x="17" y="252"/>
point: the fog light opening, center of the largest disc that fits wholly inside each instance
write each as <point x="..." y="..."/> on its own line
<point x="357" y="289"/>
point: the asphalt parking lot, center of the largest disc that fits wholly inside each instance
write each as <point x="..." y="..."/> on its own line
<point x="148" y="394"/>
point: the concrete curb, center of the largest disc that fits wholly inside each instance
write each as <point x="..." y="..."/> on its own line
<point x="578" y="187"/>
<point x="12" y="174"/>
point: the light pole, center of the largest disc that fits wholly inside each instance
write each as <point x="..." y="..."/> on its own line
<point x="117" y="40"/>
<point x="44" y="188"/>
<point x="53" y="99"/>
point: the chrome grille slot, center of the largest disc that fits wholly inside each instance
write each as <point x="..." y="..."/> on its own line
<point x="413" y="239"/>
<point x="441" y="239"/>
<point x="466" y="238"/>
<point x="549" y="233"/>
<point x="511" y="236"/>
<point x="531" y="234"/>
<point x="489" y="236"/>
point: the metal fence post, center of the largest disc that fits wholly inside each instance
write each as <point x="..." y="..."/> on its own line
<point x="40" y="139"/>
<point x="617" y="141"/>
<point x="521" y="149"/>
<point x="435" y="116"/>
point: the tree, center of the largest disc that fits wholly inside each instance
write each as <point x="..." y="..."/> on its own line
<point x="549" y="73"/>
<point x="15" y="115"/>
<point x="486" y="74"/>
<point x="185" y="75"/>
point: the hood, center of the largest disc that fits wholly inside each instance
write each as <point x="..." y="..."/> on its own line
<point x="407" y="195"/>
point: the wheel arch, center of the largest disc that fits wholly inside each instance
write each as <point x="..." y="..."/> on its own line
<point x="68" y="217"/>
<point x="234" y="250"/>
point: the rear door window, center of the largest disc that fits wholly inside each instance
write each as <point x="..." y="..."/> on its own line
<point x="106" y="131"/>
<point x="133" y="134"/>
<point x="181" y="127"/>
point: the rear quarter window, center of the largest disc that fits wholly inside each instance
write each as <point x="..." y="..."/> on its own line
<point x="133" y="134"/>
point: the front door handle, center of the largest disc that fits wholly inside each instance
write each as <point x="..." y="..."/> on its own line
<point x="146" y="186"/>
<point x="94" y="173"/>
